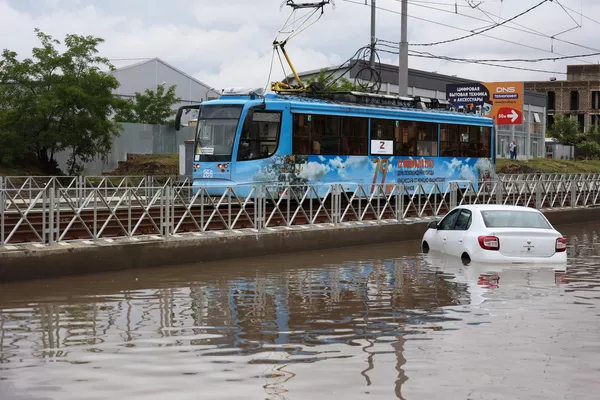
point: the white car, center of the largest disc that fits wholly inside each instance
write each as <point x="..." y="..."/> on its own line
<point x="496" y="233"/>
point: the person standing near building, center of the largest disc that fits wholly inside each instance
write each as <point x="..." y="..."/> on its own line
<point x="511" y="149"/>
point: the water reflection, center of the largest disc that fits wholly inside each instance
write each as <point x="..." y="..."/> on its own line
<point x="344" y="322"/>
<point x="484" y="279"/>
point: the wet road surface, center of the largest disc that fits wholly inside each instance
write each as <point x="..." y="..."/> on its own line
<point x="381" y="322"/>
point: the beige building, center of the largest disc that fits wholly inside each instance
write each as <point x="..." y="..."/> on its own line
<point x="578" y="96"/>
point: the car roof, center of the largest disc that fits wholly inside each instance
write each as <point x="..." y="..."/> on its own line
<point x="497" y="207"/>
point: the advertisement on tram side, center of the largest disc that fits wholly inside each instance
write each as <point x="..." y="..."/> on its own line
<point x="368" y="170"/>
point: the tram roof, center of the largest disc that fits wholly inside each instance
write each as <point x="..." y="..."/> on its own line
<point x="337" y="105"/>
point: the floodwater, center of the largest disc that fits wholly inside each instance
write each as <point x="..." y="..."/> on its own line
<point x="381" y="322"/>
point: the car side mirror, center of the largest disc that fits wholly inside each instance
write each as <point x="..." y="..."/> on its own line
<point x="433" y="225"/>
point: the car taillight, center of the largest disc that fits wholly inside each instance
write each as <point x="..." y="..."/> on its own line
<point x="561" y="245"/>
<point x="489" y="242"/>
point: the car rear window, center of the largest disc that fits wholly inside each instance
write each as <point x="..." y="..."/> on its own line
<point x="514" y="219"/>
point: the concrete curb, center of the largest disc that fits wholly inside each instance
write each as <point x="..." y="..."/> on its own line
<point x="28" y="262"/>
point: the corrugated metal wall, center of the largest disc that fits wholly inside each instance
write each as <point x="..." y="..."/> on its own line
<point x="136" y="139"/>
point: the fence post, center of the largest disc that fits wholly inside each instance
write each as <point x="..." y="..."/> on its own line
<point x="167" y="212"/>
<point x="1" y="211"/>
<point x="538" y="194"/>
<point x="401" y="204"/>
<point x="499" y="191"/>
<point x="573" y="193"/>
<point x="338" y="204"/>
<point x="453" y="194"/>
<point x="256" y="208"/>
<point x="397" y="203"/>
<point x="263" y="207"/>
<point x="51" y="203"/>
<point x="146" y="183"/>
<point x="172" y="219"/>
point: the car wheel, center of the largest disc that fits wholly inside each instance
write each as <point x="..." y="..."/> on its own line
<point x="425" y="247"/>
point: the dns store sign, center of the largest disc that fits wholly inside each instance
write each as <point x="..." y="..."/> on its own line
<point x="501" y="101"/>
<point x="507" y="102"/>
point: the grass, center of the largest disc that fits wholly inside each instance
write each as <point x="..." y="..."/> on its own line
<point x="548" y="166"/>
<point x="168" y="164"/>
<point x="32" y="169"/>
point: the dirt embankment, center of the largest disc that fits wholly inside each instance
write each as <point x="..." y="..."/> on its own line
<point x="147" y="164"/>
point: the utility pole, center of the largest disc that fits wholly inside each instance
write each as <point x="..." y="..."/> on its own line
<point x="403" y="63"/>
<point x="373" y="8"/>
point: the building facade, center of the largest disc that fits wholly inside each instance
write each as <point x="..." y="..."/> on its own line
<point x="529" y="136"/>
<point x="559" y="151"/>
<point x="577" y="97"/>
<point x="143" y="138"/>
<point x="148" y="74"/>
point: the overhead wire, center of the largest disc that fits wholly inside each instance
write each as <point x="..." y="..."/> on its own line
<point x="462" y="29"/>
<point x="461" y="61"/>
<point x="483" y="30"/>
<point x="453" y="5"/>
<point x="567" y="12"/>
<point x="529" y="60"/>
<point x="362" y="54"/>
<point x="294" y="32"/>
<point x="521" y="28"/>
<point x="580" y="13"/>
<point x="271" y="70"/>
<point x="301" y="21"/>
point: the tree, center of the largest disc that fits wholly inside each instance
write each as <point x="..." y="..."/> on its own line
<point x="151" y="107"/>
<point x="327" y="81"/>
<point x="590" y="144"/>
<point x="58" y="101"/>
<point x="566" y="130"/>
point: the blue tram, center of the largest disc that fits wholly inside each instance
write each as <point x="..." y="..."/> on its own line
<point x="247" y="138"/>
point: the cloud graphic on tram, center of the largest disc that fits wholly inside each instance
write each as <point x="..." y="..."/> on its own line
<point x="453" y="166"/>
<point x="338" y="164"/>
<point x="314" y="171"/>
<point x="466" y="173"/>
<point x="357" y="162"/>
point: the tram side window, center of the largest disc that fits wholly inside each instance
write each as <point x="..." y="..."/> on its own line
<point x="464" y="141"/>
<point x="301" y="127"/>
<point x="416" y="139"/>
<point x="329" y="135"/>
<point x="449" y="140"/>
<point x="427" y="139"/>
<point x="485" y="138"/>
<point x="354" y="136"/>
<point x="260" y="138"/>
<point x="325" y="134"/>
<point x="469" y="140"/>
<point x="383" y="129"/>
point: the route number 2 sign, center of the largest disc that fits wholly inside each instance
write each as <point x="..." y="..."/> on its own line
<point x="384" y="147"/>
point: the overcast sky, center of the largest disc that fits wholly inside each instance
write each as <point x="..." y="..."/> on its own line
<point x="228" y="42"/>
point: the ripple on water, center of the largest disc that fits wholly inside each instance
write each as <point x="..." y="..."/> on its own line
<point x="342" y="323"/>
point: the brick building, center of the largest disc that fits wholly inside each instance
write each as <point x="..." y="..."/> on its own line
<point x="578" y="96"/>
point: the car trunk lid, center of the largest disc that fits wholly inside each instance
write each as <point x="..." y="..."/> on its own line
<point x="516" y="242"/>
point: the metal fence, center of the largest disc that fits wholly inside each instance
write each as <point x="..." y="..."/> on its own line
<point x="50" y="210"/>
